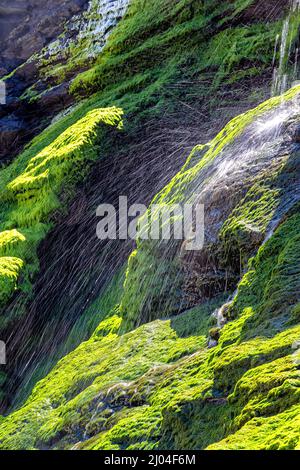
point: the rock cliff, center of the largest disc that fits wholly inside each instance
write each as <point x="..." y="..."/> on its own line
<point x="146" y="345"/>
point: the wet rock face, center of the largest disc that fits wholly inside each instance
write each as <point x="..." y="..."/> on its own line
<point x="33" y="33"/>
<point x="27" y="26"/>
<point x="267" y="10"/>
<point x="11" y="129"/>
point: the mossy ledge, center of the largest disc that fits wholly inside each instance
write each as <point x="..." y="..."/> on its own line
<point x="159" y="386"/>
<point x="146" y="297"/>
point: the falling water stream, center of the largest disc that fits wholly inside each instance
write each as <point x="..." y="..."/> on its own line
<point x="263" y="133"/>
<point x="285" y="75"/>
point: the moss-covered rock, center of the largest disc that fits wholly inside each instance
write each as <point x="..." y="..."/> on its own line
<point x="159" y="385"/>
<point x="147" y="375"/>
<point x="155" y="279"/>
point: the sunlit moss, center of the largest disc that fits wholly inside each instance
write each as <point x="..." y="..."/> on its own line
<point x="154" y="278"/>
<point x="158" y="385"/>
<point x="151" y="29"/>
<point x="111" y="365"/>
<point x="9" y="240"/>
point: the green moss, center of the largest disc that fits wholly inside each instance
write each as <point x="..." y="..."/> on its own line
<point x="268" y="294"/>
<point x="234" y="361"/>
<point x="279" y="432"/>
<point x="231" y="47"/>
<point x="157" y="45"/>
<point x="145" y="294"/>
<point x="107" y="372"/>
<point x="159" y="280"/>
<point x="104" y="306"/>
<point x="246" y="228"/>
<point x="31" y="190"/>
<point x="267" y="389"/>
<point x="162" y="32"/>
<point x="158" y="386"/>
<point x="10" y="269"/>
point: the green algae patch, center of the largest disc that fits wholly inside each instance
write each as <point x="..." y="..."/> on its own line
<point x="269" y="293"/>
<point x="245" y="229"/>
<point x="159" y="386"/>
<point x="157" y="45"/>
<point x="279" y="432"/>
<point x="39" y="183"/>
<point x="107" y="373"/>
<point x="151" y="386"/>
<point x="183" y="37"/>
<point x="105" y="306"/>
<point x="252" y="376"/>
<point x="10" y="269"/>
<point x="154" y="277"/>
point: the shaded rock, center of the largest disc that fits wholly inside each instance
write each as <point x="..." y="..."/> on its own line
<point x="296" y="136"/>
<point x="267" y="10"/>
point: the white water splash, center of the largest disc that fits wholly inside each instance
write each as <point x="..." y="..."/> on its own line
<point x="283" y="76"/>
<point x="91" y="28"/>
<point x="261" y="135"/>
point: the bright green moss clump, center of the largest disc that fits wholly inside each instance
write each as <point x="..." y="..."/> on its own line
<point x="10" y="239"/>
<point x="40" y="182"/>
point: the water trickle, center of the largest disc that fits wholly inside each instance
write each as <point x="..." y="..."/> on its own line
<point x="286" y="72"/>
<point x="91" y="28"/>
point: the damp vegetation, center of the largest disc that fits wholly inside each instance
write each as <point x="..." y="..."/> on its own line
<point x="173" y="349"/>
<point x="31" y="191"/>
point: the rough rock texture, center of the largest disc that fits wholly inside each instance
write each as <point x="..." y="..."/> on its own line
<point x="26" y="27"/>
<point x="49" y="49"/>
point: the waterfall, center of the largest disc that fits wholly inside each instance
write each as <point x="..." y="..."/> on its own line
<point x="284" y="74"/>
